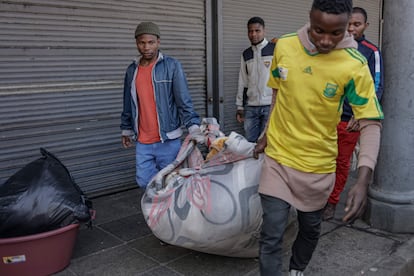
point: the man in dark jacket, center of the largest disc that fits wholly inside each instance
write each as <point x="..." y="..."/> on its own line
<point x="348" y="128"/>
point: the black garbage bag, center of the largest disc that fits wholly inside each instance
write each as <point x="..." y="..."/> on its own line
<point x="40" y="197"/>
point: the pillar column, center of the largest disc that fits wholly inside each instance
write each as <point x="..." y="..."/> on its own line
<point x="391" y="195"/>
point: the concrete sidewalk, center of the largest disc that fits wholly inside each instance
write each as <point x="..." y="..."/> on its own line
<point x="120" y="243"/>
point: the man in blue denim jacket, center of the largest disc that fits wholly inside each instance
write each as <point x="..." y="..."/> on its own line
<point x="156" y="104"/>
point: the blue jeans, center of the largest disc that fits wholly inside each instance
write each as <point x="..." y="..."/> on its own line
<point x="255" y="118"/>
<point x="151" y="158"/>
<point x="275" y="218"/>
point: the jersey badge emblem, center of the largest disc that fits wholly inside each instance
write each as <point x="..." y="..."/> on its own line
<point x="330" y="90"/>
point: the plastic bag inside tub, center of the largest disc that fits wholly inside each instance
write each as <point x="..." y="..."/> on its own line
<point x="209" y="205"/>
<point x="40" y="197"/>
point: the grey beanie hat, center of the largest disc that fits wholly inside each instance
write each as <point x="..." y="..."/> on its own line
<point x="147" y="28"/>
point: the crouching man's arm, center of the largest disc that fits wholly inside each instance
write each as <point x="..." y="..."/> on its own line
<point x="367" y="159"/>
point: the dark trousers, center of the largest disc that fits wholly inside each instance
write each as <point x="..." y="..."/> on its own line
<point x="275" y="218"/>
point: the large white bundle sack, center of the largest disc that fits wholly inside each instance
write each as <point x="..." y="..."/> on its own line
<point x="209" y="206"/>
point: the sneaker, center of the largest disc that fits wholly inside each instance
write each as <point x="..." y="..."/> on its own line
<point x="294" y="272"/>
<point x="329" y="211"/>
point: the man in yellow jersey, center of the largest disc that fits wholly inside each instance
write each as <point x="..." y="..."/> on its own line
<point x="312" y="72"/>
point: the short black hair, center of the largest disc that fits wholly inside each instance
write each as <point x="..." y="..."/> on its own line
<point x="361" y="11"/>
<point x="333" y="6"/>
<point x="255" y="20"/>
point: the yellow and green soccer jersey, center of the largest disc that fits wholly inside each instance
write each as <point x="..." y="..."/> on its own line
<point x="311" y="91"/>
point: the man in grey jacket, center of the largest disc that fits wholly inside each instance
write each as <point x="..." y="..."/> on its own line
<point x="254" y="96"/>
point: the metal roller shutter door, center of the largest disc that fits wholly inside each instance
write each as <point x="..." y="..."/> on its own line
<point x="62" y="66"/>
<point x="280" y="17"/>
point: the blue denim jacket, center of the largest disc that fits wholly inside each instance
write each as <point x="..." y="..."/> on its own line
<point x="172" y="97"/>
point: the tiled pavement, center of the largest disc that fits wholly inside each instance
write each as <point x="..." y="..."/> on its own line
<point x="120" y="243"/>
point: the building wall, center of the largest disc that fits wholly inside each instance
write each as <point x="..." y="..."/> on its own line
<point x="62" y="67"/>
